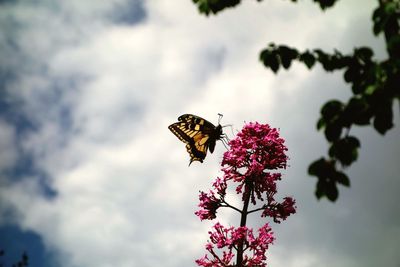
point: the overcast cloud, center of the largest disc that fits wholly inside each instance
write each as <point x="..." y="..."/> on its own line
<point x="87" y="162"/>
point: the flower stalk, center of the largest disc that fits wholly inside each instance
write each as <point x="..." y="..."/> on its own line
<point x="243" y="219"/>
<point x="252" y="155"/>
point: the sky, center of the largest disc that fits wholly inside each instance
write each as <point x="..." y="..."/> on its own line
<point x="90" y="175"/>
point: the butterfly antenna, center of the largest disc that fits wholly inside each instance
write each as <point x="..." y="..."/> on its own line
<point x="220" y="117"/>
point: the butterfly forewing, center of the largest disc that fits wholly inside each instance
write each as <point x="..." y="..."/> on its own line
<point x="184" y="131"/>
<point x="205" y="126"/>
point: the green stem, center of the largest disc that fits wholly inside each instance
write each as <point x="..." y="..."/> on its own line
<point x="247" y="192"/>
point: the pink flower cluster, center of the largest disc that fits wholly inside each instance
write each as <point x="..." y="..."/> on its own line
<point x="250" y="163"/>
<point x="209" y="203"/>
<point x="255" y="150"/>
<point x="231" y="238"/>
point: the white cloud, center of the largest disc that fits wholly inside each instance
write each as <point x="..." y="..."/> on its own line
<point x="8" y="153"/>
<point x="125" y="196"/>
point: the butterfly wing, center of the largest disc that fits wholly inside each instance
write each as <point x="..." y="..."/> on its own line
<point x="196" y="120"/>
<point x="197" y="148"/>
<point x="197" y="133"/>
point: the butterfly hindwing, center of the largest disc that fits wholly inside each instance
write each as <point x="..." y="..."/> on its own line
<point x="199" y="135"/>
<point x="197" y="148"/>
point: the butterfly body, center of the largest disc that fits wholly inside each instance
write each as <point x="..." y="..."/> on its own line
<point x="198" y="134"/>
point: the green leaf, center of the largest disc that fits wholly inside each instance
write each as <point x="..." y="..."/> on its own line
<point x="390" y="8"/>
<point x="321" y="124"/>
<point x="370" y="89"/>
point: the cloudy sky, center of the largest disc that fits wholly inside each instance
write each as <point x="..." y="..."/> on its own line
<point x="91" y="176"/>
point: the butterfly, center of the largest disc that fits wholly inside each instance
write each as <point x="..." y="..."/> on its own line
<point x="198" y="134"/>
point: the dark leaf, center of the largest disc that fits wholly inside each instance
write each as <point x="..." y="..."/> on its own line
<point x="393" y="44"/>
<point x="308" y="59"/>
<point x="326" y="188"/>
<point x="337" y="61"/>
<point x="348" y="75"/>
<point x="342" y="178"/>
<point x="331" y="191"/>
<point x="324" y="59"/>
<point x="357" y="111"/>
<point x="287" y="55"/>
<point x="379" y="20"/>
<point x="319" y="167"/>
<point x="384" y="118"/>
<point x="353" y="141"/>
<point x="325" y="3"/>
<point x="333" y="131"/>
<point x="364" y="53"/>
<point x="331" y="110"/>
<point x="274" y="62"/>
<point x="353" y="72"/>
<point x="345" y="150"/>
<point x="392" y="85"/>
<point x="214" y="6"/>
<point x="321" y="189"/>
<point x="343" y="60"/>
<point x="270" y="59"/>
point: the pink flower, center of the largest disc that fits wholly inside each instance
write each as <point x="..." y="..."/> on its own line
<point x="229" y="239"/>
<point x="280" y="211"/>
<point x="220" y="186"/>
<point x="209" y="204"/>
